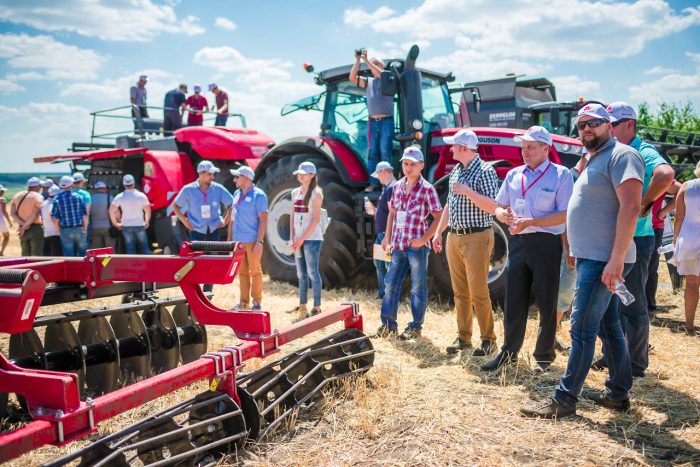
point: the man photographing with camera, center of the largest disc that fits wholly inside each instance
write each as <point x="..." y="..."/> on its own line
<point x="381" y="113"/>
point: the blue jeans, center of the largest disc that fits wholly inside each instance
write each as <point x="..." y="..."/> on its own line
<point x="307" y="259"/>
<point x="73" y="241"/>
<point x="207" y="237"/>
<point x="415" y="260"/>
<point x="381" y="137"/>
<point x="220" y="120"/>
<point x="595" y="311"/>
<point x="381" y="266"/>
<point x="136" y="238"/>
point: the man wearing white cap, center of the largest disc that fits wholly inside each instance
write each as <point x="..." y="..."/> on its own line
<point x="408" y="238"/>
<point x="221" y="104"/>
<point x="130" y="213"/>
<point x="532" y="200"/>
<point x="468" y="214"/>
<point x="72" y="216"/>
<point x="198" y="206"/>
<point x="26" y="211"/>
<point x="52" y="231"/>
<point x="45" y="185"/>
<point x="658" y="177"/>
<point x="600" y="224"/>
<point x="138" y="98"/>
<point x="196" y="106"/>
<point x="5" y="221"/>
<point x="99" y="218"/>
<point x="248" y="226"/>
<point x="79" y="183"/>
<point x="384" y="172"/>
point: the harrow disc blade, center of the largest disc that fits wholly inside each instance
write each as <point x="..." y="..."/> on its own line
<point x="193" y="336"/>
<point x="134" y="347"/>
<point x="97" y="335"/>
<point x="62" y="338"/>
<point x="27" y="350"/>
<point x="162" y="334"/>
<point x="216" y="428"/>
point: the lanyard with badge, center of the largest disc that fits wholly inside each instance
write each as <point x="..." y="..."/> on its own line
<point x="402" y="215"/>
<point x="205" y="209"/>
<point x="520" y="203"/>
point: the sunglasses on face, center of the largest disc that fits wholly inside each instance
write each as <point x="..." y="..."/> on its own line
<point x="594" y="123"/>
<point x="619" y="122"/>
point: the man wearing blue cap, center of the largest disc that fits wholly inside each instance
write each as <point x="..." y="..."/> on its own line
<point x="221" y="104"/>
<point x="174" y="106"/>
<point x="384" y="172"/>
<point x="600" y="223"/>
<point x="248" y="226"/>
<point x="26" y="211"/>
<point x="198" y="206"/>
<point x="196" y="106"/>
<point x="70" y="211"/>
<point x="138" y="97"/>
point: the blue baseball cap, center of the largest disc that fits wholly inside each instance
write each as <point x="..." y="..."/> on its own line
<point x="197" y="88"/>
<point x="535" y="133"/>
<point x="412" y="153"/>
<point x="212" y="86"/>
<point x="592" y="110"/>
<point x="463" y="137"/>
<point x="305" y="168"/>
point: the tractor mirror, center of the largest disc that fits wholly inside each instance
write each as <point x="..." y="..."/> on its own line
<point x="388" y="83"/>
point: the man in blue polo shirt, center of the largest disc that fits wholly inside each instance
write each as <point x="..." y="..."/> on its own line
<point x="248" y="227"/>
<point x="384" y="172"/>
<point x="198" y="206"/>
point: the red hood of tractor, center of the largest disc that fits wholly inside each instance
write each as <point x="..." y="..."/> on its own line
<point x="219" y="143"/>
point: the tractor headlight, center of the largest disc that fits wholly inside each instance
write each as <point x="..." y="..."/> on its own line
<point x="417" y="124"/>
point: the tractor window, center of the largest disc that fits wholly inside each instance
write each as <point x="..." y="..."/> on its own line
<point x="437" y="106"/>
<point x="350" y="119"/>
<point x="564" y="128"/>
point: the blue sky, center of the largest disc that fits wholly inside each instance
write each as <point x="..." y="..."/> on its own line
<point x="61" y="59"/>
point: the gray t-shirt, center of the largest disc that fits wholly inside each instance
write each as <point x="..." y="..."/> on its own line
<point x="592" y="214"/>
<point x="378" y="103"/>
<point x="139" y="94"/>
<point x="99" y="212"/>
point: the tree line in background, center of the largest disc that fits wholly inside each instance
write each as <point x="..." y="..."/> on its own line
<point x="675" y="116"/>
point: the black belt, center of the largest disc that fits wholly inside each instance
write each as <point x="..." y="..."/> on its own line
<point x="467" y="230"/>
<point x="376" y="119"/>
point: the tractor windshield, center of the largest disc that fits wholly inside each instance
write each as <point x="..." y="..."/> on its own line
<point x="307" y="103"/>
<point x="437" y="105"/>
<point x="346" y="117"/>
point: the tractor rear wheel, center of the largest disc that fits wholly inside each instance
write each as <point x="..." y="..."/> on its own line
<point x="338" y="255"/>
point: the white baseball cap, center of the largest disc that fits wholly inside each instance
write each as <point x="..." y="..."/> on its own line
<point x="305" y="168"/>
<point x="463" y="137"/>
<point x="2" y="188"/>
<point x="79" y="177"/>
<point x="66" y="181"/>
<point x="412" y="153"/>
<point x="100" y="184"/>
<point x="207" y="166"/>
<point x="535" y="133"/>
<point x="245" y="171"/>
<point x="592" y="110"/>
<point x="48" y="183"/>
<point x="33" y="181"/>
<point x="621" y="111"/>
<point x="383" y="165"/>
<point x="54" y="190"/>
<point x="128" y="179"/>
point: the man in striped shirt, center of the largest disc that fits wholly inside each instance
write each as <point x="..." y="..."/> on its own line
<point x="408" y="237"/>
<point x="468" y="214"/>
<point x="70" y="211"/>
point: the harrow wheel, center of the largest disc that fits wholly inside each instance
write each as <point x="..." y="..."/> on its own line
<point x="165" y="343"/>
<point x="195" y="343"/>
<point x="101" y="355"/>
<point x="135" y="358"/>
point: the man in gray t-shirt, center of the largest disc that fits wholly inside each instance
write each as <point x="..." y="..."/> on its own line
<point x="381" y="114"/>
<point x="600" y="223"/>
<point x="99" y="218"/>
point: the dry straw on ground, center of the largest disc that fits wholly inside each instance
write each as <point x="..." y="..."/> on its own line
<point x="418" y="406"/>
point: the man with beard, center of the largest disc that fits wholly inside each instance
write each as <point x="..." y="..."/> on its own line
<point x="600" y="223"/>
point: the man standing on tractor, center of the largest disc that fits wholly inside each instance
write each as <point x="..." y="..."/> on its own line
<point x="203" y="200"/>
<point x="473" y="186"/>
<point x="221" y="105"/>
<point x="26" y="211"/>
<point x="138" y="99"/>
<point x="408" y="238"/>
<point x="381" y="113"/>
<point x="248" y="226"/>
<point x="174" y="106"/>
<point x="533" y="200"/>
<point x="197" y="105"/>
<point x="70" y="211"/>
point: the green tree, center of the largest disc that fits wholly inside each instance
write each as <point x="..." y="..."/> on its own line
<point x="676" y="116"/>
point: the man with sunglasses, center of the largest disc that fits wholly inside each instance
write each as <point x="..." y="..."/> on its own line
<point x="600" y="223"/>
<point x="658" y="177"/>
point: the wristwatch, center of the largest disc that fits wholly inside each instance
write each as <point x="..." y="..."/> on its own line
<point x="260" y="241"/>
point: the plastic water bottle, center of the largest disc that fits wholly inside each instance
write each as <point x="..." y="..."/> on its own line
<point x="366" y="202"/>
<point x="625" y="295"/>
<point x="666" y="248"/>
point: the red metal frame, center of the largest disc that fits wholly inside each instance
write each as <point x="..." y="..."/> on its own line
<point x="53" y="397"/>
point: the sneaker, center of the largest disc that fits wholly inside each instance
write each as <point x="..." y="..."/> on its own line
<point x="599" y="364"/>
<point x="541" y="367"/>
<point x="385" y="332"/>
<point x="604" y="400"/>
<point x="561" y="347"/>
<point x="502" y="359"/>
<point x="456" y="346"/>
<point x="487" y="347"/>
<point x="256" y="306"/>
<point x="547" y="408"/>
<point x="409" y="334"/>
<point x="239" y="307"/>
<point x="297" y="309"/>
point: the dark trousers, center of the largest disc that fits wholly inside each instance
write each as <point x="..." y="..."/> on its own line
<point x="52" y="246"/>
<point x="207" y="237"/>
<point x="32" y="242"/>
<point x="533" y="264"/>
<point x="653" y="280"/>
<point x="172" y="120"/>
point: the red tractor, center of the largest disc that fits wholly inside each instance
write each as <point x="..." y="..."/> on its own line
<point x="424" y="114"/>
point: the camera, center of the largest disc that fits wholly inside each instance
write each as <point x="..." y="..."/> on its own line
<point x="358" y="52"/>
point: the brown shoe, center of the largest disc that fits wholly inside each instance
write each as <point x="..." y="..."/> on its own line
<point x="547" y="408"/>
<point x="487" y="347"/>
<point x="604" y="400"/>
<point x="456" y="346"/>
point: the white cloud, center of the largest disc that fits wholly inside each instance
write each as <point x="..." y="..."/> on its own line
<point x="9" y="87"/>
<point x="358" y="17"/>
<point x="693" y="56"/>
<point x="133" y="20"/>
<point x="674" y="87"/>
<point x="659" y="70"/>
<point x="472" y="65"/>
<point x="571" y="87"/>
<point x="225" y="23"/>
<point x="48" y="58"/>
<point x="116" y="90"/>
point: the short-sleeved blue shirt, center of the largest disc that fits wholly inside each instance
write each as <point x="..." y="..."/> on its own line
<point x="247" y="208"/>
<point x="652" y="159"/>
<point x="194" y="200"/>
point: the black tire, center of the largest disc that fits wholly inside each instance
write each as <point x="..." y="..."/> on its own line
<point x="338" y="256"/>
<point x="439" y="270"/>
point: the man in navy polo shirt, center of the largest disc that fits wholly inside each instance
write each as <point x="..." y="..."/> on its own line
<point x="198" y="206"/>
<point x="248" y="227"/>
<point x="385" y="174"/>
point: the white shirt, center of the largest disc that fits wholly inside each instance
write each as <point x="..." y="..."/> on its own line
<point x="131" y="203"/>
<point x="50" y="229"/>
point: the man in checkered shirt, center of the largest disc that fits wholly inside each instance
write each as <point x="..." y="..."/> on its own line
<point x="408" y="237"/>
<point x="468" y="213"/>
<point x="71" y="213"/>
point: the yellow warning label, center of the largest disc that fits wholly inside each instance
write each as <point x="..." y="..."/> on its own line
<point x="106" y="261"/>
<point x="214" y="384"/>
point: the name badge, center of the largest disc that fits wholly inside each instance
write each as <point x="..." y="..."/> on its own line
<point x="519" y="207"/>
<point x="206" y="211"/>
<point x="401" y="219"/>
<point x="249" y="199"/>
